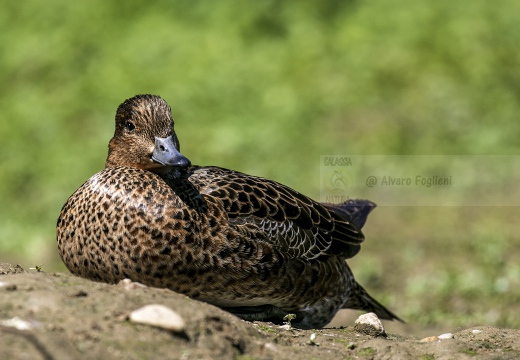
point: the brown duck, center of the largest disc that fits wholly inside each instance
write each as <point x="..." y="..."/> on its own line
<point x="246" y="244"/>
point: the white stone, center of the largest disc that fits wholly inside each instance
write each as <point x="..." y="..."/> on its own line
<point x="446" y="336"/>
<point x="285" y="327"/>
<point x="131" y="285"/>
<point x="159" y="316"/>
<point x="476" y="331"/>
<point x="17" y="323"/>
<point x="312" y="340"/>
<point x="271" y="347"/>
<point x="370" y="325"/>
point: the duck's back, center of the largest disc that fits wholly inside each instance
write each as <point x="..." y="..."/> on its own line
<point x="294" y="223"/>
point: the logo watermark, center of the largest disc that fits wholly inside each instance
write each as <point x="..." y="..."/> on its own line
<point x="422" y="180"/>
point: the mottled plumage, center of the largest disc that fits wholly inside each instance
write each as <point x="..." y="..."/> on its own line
<point x="247" y="244"/>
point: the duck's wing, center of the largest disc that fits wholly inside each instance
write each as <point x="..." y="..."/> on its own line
<point x="294" y="223"/>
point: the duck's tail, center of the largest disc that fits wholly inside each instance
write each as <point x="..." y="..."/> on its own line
<point x="361" y="300"/>
<point x="355" y="211"/>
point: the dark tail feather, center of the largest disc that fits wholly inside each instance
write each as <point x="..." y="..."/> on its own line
<point x="361" y="300"/>
<point x="355" y="211"/>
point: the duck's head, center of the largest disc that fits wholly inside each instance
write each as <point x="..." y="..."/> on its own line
<point x="144" y="137"/>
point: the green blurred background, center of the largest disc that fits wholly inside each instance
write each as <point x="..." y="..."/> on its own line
<point x="266" y="87"/>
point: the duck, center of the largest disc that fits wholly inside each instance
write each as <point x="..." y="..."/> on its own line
<point x="249" y="245"/>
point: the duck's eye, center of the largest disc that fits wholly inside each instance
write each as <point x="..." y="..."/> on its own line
<point x="129" y="126"/>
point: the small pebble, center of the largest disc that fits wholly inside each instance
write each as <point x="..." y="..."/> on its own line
<point x="285" y="327"/>
<point x="271" y="347"/>
<point x="312" y="340"/>
<point x="476" y="331"/>
<point x="17" y="323"/>
<point x="131" y="285"/>
<point x="446" y="336"/>
<point x="429" y="339"/>
<point x="159" y="316"/>
<point x="369" y="324"/>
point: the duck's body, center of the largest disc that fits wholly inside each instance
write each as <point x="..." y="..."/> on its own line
<point x="244" y="243"/>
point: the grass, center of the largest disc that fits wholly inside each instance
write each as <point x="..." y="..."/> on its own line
<point x="266" y="328"/>
<point x="367" y="351"/>
<point x="267" y="88"/>
<point x="470" y="351"/>
<point x="427" y="357"/>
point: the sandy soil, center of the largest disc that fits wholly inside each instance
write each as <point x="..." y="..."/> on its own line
<point x="73" y="318"/>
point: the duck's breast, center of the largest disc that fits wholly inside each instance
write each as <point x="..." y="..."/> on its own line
<point x="126" y="223"/>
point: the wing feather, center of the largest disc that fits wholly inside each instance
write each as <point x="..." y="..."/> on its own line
<point x="297" y="225"/>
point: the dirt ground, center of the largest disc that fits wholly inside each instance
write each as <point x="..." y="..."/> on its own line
<point x="67" y="317"/>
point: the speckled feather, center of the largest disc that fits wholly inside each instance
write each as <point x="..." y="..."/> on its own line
<point x="240" y="242"/>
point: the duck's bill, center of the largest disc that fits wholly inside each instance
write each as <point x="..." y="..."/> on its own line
<point x="166" y="154"/>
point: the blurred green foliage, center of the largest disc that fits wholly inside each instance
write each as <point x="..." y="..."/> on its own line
<point x="267" y="87"/>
